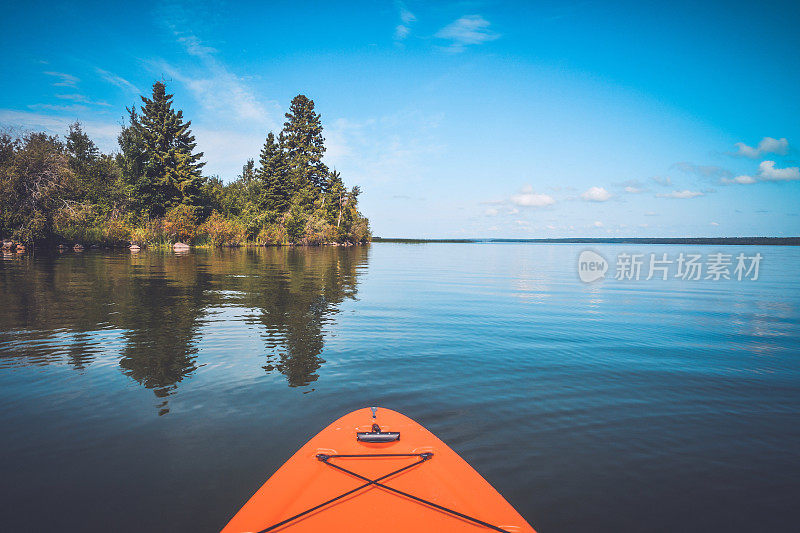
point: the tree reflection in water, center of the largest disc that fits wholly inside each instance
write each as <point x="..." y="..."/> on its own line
<point x="57" y="308"/>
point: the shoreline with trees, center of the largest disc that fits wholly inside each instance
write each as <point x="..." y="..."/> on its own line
<point x="152" y="192"/>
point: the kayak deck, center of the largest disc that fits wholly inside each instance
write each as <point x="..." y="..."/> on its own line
<point x="337" y="482"/>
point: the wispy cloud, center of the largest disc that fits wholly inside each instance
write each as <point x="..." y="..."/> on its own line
<point x="596" y="194"/>
<point x="528" y="198"/>
<point x="680" y="195"/>
<point x="703" y="171"/>
<point x="664" y="181"/>
<point x="214" y="85"/>
<point x="465" y="31"/>
<point x="64" y="79"/>
<point x="81" y="98"/>
<point x="402" y="30"/>
<point x="119" y="81"/>
<point x="740" y="180"/>
<point x="767" y="145"/>
<point x="103" y="133"/>
<point x="631" y="186"/>
<point x="393" y="148"/>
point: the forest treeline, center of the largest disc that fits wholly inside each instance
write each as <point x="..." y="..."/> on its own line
<point x="153" y="191"/>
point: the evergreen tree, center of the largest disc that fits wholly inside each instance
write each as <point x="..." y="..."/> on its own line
<point x="274" y="176"/>
<point x="170" y="173"/>
<point x="131" y="159"/>
<point x="96" y="175"/>
<point x="248" y="172"/>
<point x="80" y="147"/>
<point x="305" y="145"/>
<point x="334" y="197"/>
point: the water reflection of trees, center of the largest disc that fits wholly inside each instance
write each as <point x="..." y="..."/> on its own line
<point x="299" y="293"/>
<point x="57" y="308"/>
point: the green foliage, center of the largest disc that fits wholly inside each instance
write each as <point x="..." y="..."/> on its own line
<point x="273" y="174"/>
<point x="150" y="232"/>
<point x="153" y="192"/>
<point x="165" y="171"/>
<point x="180" y="223"/>
<point x="36" y="179"/>
<point x="272" y="234"/>
<point x="295" y="224"/>
<point x="116" y="231"/>
<point x="305" y="145"/>
<point x="221" y="231"/>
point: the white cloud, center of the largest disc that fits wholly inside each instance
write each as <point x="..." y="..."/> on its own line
<point x="119" y="81"/>
<point x="468" y="30"/>
<point x="715" y="223"/>
<point x="651" y="214"/>
<point x="597" y="224"/>
<point x="491" y="212"/>
<point x="767" y="145"/>
<point x="403" y="29"/>
<point x="596" y="194"/>
<point x="64" y="79"/>
<point x="742" y="180"/>
<point x="768" y="172"/>
<point x="633" y="190"/>
<point x="685" y="194"/>
<point x="665" y="181"/>
<point x="528" y="198"/>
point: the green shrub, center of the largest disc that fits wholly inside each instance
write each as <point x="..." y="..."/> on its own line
<point x="272" y="235"/>
<point x="221" y="231"/>
<point x="180" y="223"/>
<point x="295" y="224"/>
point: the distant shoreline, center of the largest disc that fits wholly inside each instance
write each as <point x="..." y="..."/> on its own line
<point x="739" y="241"/>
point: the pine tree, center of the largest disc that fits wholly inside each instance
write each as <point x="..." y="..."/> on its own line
<point x="334" y="197"/>
<point x="305" y="146"/>
<point x="170" y="173"/>
<point x="131" y="158"/>
<point x="96" y="177"/>
<point x="79" y="146"/>
<point x="273" y="173"/>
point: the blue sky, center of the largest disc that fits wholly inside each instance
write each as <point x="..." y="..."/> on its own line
<point x="458" y="119"/>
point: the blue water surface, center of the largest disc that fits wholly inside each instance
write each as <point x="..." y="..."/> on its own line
<point x="156" y="391"/>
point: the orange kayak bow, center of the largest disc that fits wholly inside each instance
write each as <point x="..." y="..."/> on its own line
<point x="379" y="470"/>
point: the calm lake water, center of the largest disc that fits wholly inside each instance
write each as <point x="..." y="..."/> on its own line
<point x="158" y="391"/>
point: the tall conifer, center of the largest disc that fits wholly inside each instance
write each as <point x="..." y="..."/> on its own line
<point x="171" y="170"/>
<point x="305" y="146"/>
<point x="274" y="175"/>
